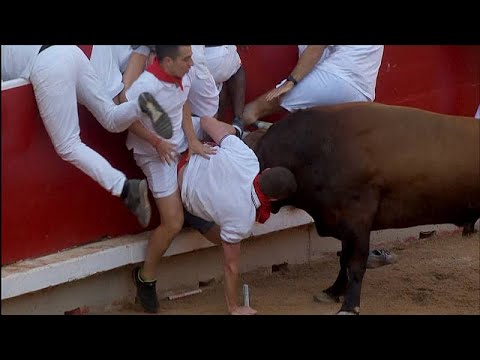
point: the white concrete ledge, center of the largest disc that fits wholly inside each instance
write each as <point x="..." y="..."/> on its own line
<point x="36" y="274"/>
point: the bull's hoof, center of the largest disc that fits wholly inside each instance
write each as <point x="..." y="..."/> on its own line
<point x="356" y="311"/>
<point x="323" y="297"/>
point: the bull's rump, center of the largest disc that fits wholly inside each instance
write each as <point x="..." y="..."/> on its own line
<point x="425" y="165"/>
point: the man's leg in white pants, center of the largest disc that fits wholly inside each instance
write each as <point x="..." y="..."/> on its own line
<point x="54" y="84"/>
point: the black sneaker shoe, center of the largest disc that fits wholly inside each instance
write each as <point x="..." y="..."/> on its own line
<point x="160" y="119"/>
<point x="135" y="197"/>
<point x="146" y="292"/>
<point x="238" y="125"/>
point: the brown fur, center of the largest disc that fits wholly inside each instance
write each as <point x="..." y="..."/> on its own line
<point x="367" y="166"/>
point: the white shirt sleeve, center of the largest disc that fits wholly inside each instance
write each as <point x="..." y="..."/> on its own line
<point x="234" y="234"/>
<point x="142" y="49"/>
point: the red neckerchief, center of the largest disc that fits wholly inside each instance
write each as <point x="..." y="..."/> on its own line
<point x="263" y="212"/>
<point x="87" y="49"/>
<point x="160" y="74"/>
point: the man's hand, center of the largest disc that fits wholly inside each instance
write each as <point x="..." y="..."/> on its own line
<point x="282" y="89"/>
<point x="243" y="310"/>
<point x="166" y="151"/>
<point x="196" y="147"/>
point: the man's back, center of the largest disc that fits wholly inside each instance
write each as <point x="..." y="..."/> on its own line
<point x="220" y="189"/>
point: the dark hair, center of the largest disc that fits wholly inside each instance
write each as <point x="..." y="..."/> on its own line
<point x="171" y="51"/>
<point x="278" y="183"/>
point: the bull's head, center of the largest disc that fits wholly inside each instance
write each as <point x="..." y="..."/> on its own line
<point x="253" y="139"/>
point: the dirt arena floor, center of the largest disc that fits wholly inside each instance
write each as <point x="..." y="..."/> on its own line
<point x="438" y="275"/>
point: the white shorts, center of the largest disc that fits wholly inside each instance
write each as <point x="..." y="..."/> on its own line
<point x="223" y="62"/>
<point x="161" y="177"/>
<point x="320" y="88"/>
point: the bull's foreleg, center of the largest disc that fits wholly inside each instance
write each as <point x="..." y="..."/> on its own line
<point x="356" y="256"/>
<point x="468" y="228"/>
<point x="339" y="287"/>
<point x="354" y="232"/>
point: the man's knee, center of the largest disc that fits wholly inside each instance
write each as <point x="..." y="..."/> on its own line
<point x="173" y="224"/>
<point x="69" y="150"/>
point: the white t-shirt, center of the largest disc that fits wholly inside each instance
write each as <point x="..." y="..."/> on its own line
<point x="221" y="189"/>
<point x="18" y="60"/>
<point x="356" y="64"/>
<point x="199" y="62"/>
<point x="171" y="98"/>
<point x="110" y="62"/>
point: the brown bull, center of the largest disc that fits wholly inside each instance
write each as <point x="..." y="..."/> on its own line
<point x="367" y="166"/>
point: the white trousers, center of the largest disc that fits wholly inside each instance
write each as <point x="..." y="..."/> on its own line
<point x="61" y="76"/>
<point x="320" y="88"/>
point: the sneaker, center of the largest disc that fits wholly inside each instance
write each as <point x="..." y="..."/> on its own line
<point x="380" y="257"/>
<point x="146" y="292"/>
<point x="160" y="119"/>
<point x="238" y="125"/>
<point x="136" y="199"/>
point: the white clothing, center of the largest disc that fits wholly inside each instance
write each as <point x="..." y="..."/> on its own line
<point x="17" y="61"/>
<point x="477" y="115"/>
<point x="161" y="177"/>
<point x="61" y="75"/>
<point x="110" y="62"/>
<point x="143" y="49"/>
<point x="221" y="189"/>
<point x="204" y="95"/>
<point x="344" y="73"/>
<point x="171" y="98"/>
<point x="223" y="62"/>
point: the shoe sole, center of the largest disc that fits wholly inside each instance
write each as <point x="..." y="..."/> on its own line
<point x="238" y="131"/>
<point x="160" y="120"/>
<point x="263" y="124"/>
<point x="145" y="204"/>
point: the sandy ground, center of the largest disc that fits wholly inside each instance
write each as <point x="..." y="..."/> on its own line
<point x="438" y="275"/>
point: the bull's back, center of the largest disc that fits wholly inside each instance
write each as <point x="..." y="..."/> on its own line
<point x="425" y="165"/>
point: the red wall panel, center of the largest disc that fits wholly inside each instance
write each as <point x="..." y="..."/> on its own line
<point x="48" y="205"/>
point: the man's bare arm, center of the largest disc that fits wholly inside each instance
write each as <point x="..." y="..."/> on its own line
<point x="307" y="61"/>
